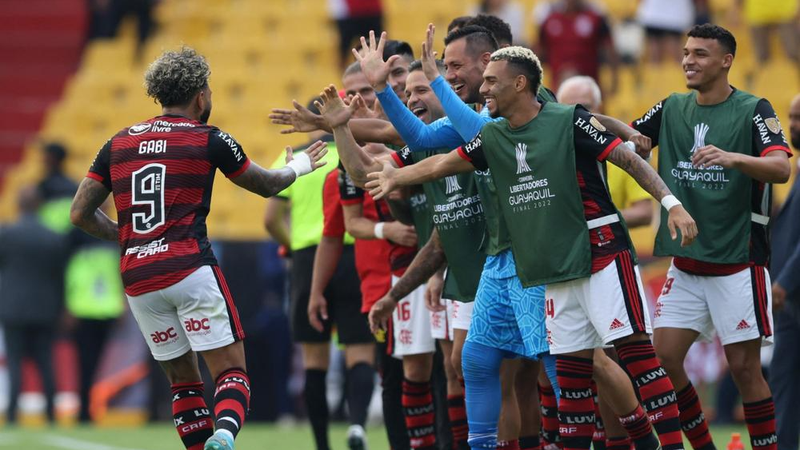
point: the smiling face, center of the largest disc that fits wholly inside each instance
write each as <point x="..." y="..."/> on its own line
<point x="498" y="88"/>
<point x="704" y="62"/>
<point x="421" y="99"/>
<point x="464" y="70"/>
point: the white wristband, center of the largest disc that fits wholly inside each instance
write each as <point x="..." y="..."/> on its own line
<point x="301" y="164"/>
<point x="631" y="146"/>
<point x="669" y="201"/>
<point x="379" y="230"/>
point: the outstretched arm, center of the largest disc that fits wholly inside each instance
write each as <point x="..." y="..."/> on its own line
<point x="85" y="211"/>
<point x="268" y="182"/>
<point x="429" y="169"/>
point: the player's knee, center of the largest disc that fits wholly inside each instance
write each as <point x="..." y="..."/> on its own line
<point x="744" y="371"/>
<point x="477" y="362"/>
<point x="671" y="361"/>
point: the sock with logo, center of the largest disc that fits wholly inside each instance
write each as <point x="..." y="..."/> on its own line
<point x="457" y="412"/>
<point x="760" y="419"/>
<point x="620" y="443"/>
<point x="530" y="443"/>
<point x="418" y="411"/>
<point x="508" y="445"/>
<point x="655" y="390"/>
<point x="191" y="415"/>
<point x="316" y="401"/>
<point x="576" y="408"/>
<point x="637" y="424"/>
<point x="231" y="400"/>
<point x="360" y="384"/>
<point x="599" y="436"/>
<point x="693" y="422"/>
<point x="548" y="405"/>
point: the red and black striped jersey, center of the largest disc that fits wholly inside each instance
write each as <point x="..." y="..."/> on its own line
<point x="161" y="173"/>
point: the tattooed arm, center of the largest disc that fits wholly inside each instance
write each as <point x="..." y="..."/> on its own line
<point x="265" y="182"/>
<point x="85" y="211"/>
<point x="648" y="179"/>
<point x="269" y="182"/>
<point x="640" y="170"/>
<point x="428" y="261"/>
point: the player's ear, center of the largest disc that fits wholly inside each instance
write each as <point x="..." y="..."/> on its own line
<point x="727" y="61"/>
<point x="485" y="58"/>
<point x="520" y="83"/>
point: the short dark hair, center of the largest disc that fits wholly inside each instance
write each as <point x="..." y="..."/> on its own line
<point x="525" y="61"/>
<point x="176" y="77"/>
<point x="393" y="47"/>
<point x="479" y="39"/>
<point x="716" y="32"/>
<point x="458" y="22"/>
<point x="417" y="65"/>
<point x="497" y="26"/>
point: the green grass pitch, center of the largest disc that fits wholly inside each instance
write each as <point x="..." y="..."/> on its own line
<point x="253" y="437"/>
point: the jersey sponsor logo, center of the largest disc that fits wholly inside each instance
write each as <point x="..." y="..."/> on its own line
<point x="576" y="394"/>
<point x="743" y="325"/>
<point x="162" y="126"/>
<point x="521" y="151"/>
<point x="404" y="154"/>
<point x="405" y="337"/>
<point x="763" y="442"/>
<point x="591" y="131"/>
<point x="163" y="337"/>
<point x="155" y="146"/>
<point x="615" y="325"/>
<point x="139" y="128"/>
<point x="695" y="423"/>
<point x="194" y="325"/>
<point x="473" y="145"/>
<point x="651" y="376"/>
<point x="451" y="185"/>
<point x="234" y="146"/>
<point x="649" y="115"/>
<point x="149" y="249"/>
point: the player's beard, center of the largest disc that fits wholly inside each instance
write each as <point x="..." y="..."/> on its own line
<point x="795" y="138"/>
<point x="205" y="115"/>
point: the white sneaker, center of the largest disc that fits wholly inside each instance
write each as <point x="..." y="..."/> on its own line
<point x="357" y="438"/>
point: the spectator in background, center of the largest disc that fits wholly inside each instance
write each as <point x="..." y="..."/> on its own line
<point x="56" y="189"/>
<point x="665" y="22"/>
<point x="510" y="11"/>
<point x="785" y="367"/>
<point x="339" y="301"/>
<point x="633" y="202"/>
<point x="767" y="16"/>
<point x="573" y="38"/>
<point x="105" y="17"/>
<point x="95" y="300"/>
<point x="32" y="257"/>
<point x="355" y="18"/>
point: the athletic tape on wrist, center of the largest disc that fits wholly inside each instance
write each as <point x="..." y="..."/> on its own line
<point x="301" y="164"/>
<point x="669" y="202"/>
<point x="379" y="230"/>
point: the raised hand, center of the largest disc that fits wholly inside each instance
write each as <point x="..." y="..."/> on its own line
<point x="300" y="119"/>
<point x="381" y="182"/>
<point x="429" y="56"/>
<point x="371" y="59"/>
<point x="643" y="144"/>
<point x="334" y="111"/>
<point x="308" y="161"/>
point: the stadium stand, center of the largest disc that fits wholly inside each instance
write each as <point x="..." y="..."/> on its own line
<point x="262" y="55"/>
